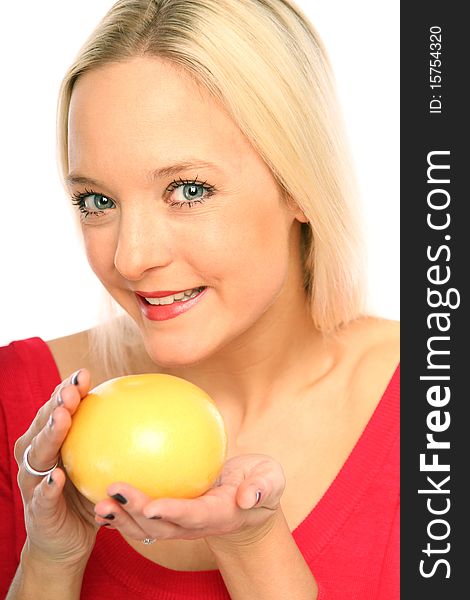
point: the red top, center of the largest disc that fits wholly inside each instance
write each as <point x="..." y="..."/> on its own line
<point x="350" y="539"/>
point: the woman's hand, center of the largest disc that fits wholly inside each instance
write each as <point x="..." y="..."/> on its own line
<point x="240" y="508"/>
<point x="60" y="523"/>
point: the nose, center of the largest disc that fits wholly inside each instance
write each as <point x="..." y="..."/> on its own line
<point x="143" y="244"/>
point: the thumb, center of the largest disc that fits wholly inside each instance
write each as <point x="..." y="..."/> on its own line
<point x="48" y="501"/>
<point x="264" y="487"/>
<point x="250" y="494"/>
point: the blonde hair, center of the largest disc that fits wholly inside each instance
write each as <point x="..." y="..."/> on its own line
<point x="263" y="60"/>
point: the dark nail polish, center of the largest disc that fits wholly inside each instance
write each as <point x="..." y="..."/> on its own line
<point x="105" y="525"/>
<point x="50" y="481"/>
<point x="110" y="517"/>
<point x="51" y="422"/>
<point x="155" y="517"/>
<point x="258" y="497"/>
<point x="60" y="402"/>
<point x="74" y="378"/>
<point x="119" y="498"/>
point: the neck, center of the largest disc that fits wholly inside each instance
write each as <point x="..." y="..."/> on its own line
<point x="275" y="359"/>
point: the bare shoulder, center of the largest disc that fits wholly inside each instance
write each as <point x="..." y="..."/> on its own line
<point x="372" y="339"/>
<point x="381" y="338"/>
<point x="71" y="353"/>
<point x="372" y="353"/>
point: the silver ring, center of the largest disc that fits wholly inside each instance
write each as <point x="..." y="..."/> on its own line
<point x="29" y="469"/>
<point x="148" y="541"/>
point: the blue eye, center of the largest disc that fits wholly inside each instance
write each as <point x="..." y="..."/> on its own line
<point x="91" y="203"/>
<point x="97" y="202"/>
<point x="192" y="192"/>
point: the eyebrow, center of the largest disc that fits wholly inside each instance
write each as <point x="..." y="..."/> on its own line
<point x="166" y="171"/>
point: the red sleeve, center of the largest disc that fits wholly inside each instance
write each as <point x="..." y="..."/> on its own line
<point x="28" y="375"/>
<point x="8" y="563"/>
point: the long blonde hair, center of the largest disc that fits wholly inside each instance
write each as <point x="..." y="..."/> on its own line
<point x="264" y="61"/>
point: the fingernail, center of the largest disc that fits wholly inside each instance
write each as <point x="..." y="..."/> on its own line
<point x="110" y="517"/>
<point x="119" y="498"/>
<point x="50" y="423"/>
<point x="258" y="497"/>
<point x="155" y="517"/>
<point x="105" y="524"/>
<point x="50" y="480"/>
<point x="60" y="402"/>
<point x="74" y="378"/>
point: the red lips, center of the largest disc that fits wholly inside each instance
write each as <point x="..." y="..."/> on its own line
<point x="160" y="294"/>
<point x="163" y="312"/>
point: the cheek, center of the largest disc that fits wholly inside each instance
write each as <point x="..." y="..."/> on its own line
<point x="99" y="248"/>
<point x="249" y="253"/>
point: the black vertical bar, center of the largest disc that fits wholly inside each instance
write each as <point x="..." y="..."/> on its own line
<point x="435" y="258"/>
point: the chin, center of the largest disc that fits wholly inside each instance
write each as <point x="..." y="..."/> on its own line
<point x="175" y="355"/>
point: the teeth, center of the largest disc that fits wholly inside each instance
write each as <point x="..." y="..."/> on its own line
<point x="179" y="297"/>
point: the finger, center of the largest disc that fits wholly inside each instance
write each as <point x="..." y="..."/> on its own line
<point x="47" y="501"/>
<point x="258" y="493"/>
<point x="205" y="512"/>
<point x="142" y="528"/>
<point x="68" y="394"/>
<point x="81" y="379"/>
<point x="125" y="495"/>
<point x="119" y="519"/>
<point x="117" y="513"/>
<point x="124" y="498"/>
<point x="261" y="491"/>
<point x="45" y="447"/>
<point x="250" y="495"/>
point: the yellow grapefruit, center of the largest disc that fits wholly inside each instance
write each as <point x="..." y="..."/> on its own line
<point x="159" y="433"/>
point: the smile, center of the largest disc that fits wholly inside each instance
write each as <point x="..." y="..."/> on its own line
<point x="161" y="306"/>
<point x="179" y="297"/>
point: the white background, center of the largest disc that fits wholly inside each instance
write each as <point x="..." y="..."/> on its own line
<point x="48" y="289"/>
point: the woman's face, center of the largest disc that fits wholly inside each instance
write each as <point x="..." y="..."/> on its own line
<point x="173" y="198"/>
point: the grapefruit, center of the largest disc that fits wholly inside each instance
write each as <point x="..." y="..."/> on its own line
<point x="159" y="433"/>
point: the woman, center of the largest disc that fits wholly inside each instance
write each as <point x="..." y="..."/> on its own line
<point x="200" y="142"/>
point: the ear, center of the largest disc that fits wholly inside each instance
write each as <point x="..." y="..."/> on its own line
<point x="293" y="207"/>
<point x="300" y="216"/>
<point x="296" y="211"/>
